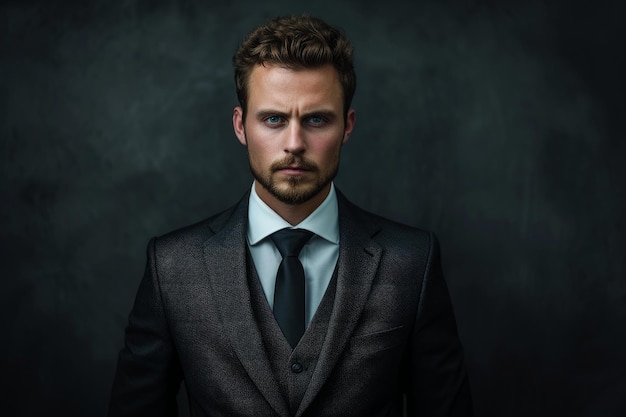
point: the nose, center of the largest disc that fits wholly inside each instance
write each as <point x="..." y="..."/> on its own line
<point x="295" y="141"/>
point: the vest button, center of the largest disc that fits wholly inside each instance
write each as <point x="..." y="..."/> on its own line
<point x="296" y="367"/>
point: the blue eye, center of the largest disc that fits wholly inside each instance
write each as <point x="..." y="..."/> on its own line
<point x="273" y="120"/>
<point x="317" y="120"/>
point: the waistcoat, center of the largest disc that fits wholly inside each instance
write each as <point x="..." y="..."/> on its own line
<point x="292" y="368"/>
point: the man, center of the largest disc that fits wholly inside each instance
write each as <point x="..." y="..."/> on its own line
<point x="353" y="320"/>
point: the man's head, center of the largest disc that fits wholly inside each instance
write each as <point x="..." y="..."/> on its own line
<point x="295" y="42"/>
<point x="295" y="81"/>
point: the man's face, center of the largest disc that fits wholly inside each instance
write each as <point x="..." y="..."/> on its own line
<point x="294" y="129"/>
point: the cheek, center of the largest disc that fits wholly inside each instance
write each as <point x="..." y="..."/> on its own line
<point x="258" y="152"/>
<point x="259" y="141"/>
<point x="329" y="151"/>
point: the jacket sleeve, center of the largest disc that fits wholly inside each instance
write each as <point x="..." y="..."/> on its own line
<point x="148" y="373"/>
<point x="437" y="382"/>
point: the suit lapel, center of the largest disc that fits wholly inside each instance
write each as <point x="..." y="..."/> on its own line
<point x="358" y="261"/>
<point x="225" y="255"/>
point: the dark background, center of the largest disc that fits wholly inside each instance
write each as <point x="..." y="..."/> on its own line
<point x="496" y="124"/>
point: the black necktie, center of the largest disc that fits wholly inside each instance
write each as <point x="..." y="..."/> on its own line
<point x="289" y="289"/>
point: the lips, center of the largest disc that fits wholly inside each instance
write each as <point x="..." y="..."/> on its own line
<point x="293" y="170"/>
<point x="294" y="167"/>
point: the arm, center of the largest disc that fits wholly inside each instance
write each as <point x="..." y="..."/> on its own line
<point x="148" y="372"/>
<point x="437" y="383"/>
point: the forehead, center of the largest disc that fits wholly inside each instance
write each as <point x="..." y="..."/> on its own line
<point x="273" y="85"/>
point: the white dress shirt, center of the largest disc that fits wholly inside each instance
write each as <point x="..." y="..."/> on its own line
<point x="319" y="256"/>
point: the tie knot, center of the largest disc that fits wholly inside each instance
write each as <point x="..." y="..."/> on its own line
<point x="291" y="241"/>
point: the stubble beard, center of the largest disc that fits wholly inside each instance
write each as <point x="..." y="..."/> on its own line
<point x="299" y="189"/>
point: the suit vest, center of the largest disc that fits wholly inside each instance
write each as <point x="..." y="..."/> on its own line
<point x="291" y="368"/>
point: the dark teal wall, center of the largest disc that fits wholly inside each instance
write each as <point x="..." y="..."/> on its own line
<point x="496" y="124"/>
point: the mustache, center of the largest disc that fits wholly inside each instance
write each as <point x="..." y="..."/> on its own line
<point x="292" y="161"/>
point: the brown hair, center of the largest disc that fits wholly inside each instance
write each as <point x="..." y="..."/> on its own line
<point x="295" y="42"/>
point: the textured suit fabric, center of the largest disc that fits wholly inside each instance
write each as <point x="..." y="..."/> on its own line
<point x="391" y="329"/>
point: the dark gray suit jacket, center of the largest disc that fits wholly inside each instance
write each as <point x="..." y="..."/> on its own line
<point x="391" y="332"/>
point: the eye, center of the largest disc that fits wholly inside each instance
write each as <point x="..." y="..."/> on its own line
<point x="316" y="120"/>
<point x="273" y="120"/>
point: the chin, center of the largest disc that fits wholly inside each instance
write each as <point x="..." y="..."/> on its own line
<point x="293" y="190"/>
<point x="295" y="194"/>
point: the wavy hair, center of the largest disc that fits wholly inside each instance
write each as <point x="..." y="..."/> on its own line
<point x="295" y="42"/>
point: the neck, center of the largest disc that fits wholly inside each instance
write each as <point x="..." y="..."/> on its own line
<point x="292" y="213"/>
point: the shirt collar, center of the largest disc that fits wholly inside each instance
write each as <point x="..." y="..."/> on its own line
<point x="263" y="221"/>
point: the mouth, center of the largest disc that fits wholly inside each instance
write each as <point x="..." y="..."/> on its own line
<point x="293" y="167"/>
<point x="293" y="170"/>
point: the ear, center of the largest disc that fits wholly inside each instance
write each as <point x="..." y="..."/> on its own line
<point x="350" y="120"/>
<point x="238" y="126"/>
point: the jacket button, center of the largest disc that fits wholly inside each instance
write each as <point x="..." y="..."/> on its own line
<point x="296" y="367"/>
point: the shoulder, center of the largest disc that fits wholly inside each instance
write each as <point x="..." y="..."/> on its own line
<point x="387" y="232"/>
<point x="193" y="236"/>
<point x="405" y="251"/>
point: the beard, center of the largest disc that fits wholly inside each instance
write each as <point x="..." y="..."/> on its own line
<point x="299" y="189"/>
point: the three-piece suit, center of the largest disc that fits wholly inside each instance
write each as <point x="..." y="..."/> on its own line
<point x="383" y="339"/>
